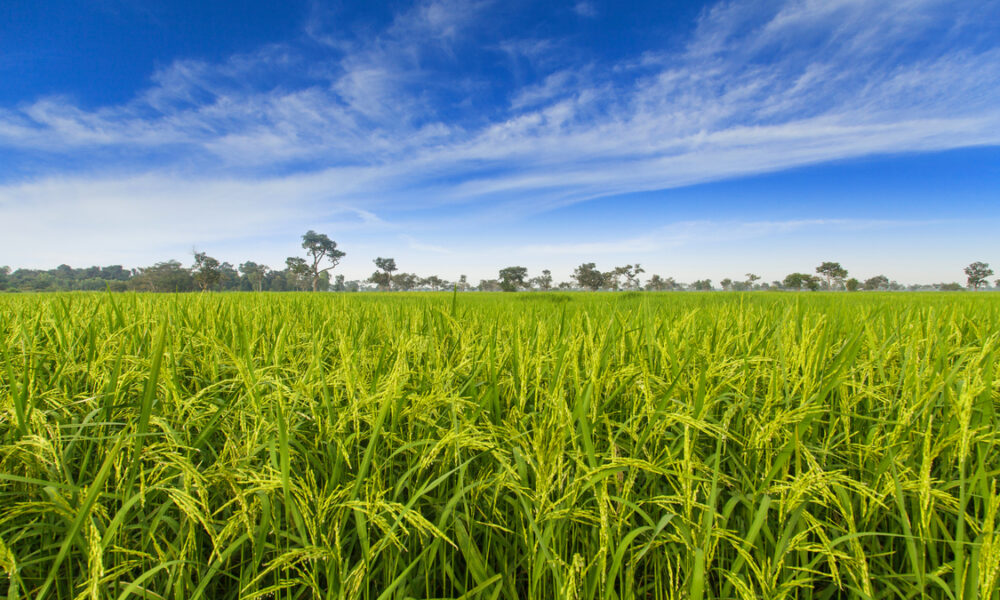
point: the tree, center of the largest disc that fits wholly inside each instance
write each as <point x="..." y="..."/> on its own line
<point x="229" y="277"/>
<point x="405" y="281"/>
<point x="206" y="270"/>
<point x="169" y="276"/>
<point x="852" y="284"/>
<point x="659" y="284"/>
<point x="543" y="281"/>
<point x="387" y="266"/>
<point x="702" y="285"/>
<point x="512" y="278"/>
<point x="751" y="278"/>
<point x="255" y="274"/>
<point x="297" y="272"/>
<point x="320" y="248"/>
<point x="587" y="276"/>
<point x="463" y="283"/>
<point x="879" y="282"/>
<point x="382" y="279"/>
<point x="951" y="287"/>
<point x="832" y="271"/>
<point x="489" y="285"/>
<point x="798" y="281"/>
<point x="631" y="273"/>
<point x="434" y="282"/>
<point x="977" y="274"/>
<point x="726" y="284"/>
<point x="4" y="272"/>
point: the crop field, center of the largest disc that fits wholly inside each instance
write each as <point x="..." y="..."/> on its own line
<point x="492" y="446"/>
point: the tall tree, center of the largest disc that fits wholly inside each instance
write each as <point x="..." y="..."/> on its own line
<point x="512" y="278"/>
<point x="751" y="278"/>
<point x="320" y="248"/>
<point x="254" y="273"/>
<point x="832" y="271"/>
<point x="587" y="276"/>
<point x="977" y="273"/>
<point x="206" y="270"/>
<point x="387" y="266"/>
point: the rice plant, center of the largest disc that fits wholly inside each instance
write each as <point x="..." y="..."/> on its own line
<point x="611" y="446"/>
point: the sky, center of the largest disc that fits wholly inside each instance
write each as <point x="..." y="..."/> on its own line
<point x="460" y="137"/>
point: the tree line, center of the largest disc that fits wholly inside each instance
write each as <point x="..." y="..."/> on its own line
<point x="313" y="272"/>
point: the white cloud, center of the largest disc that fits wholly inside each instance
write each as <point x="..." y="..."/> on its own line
<point x="585" y="9"/>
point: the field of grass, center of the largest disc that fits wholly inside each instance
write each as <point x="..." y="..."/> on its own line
<point x="500" y="446"/>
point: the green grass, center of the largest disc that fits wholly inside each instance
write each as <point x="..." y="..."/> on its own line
<point x="489" y="446"/>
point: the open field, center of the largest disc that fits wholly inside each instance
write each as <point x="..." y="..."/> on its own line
<point x="500" y="446"/>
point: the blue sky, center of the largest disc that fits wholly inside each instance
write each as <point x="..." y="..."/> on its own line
<point x="701" y="140"/>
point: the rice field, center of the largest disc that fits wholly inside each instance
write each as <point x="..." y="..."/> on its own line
<point x="492" y="446"/>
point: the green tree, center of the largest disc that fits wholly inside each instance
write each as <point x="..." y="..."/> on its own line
<point x="879" y="282"/>
<point x="513" y="278"/>
<point x="977" y="274"/>
<point x="320" y="248"/>
<point x="206" y="271"/>
<point x="852" y="284"/>
<point x="254" y="273"/>
<point x="405" y="281"/>
<point x="702" y="285"/>
<point x="659" y="284"/>
<point x="433" y="281"/>
<point x="543" y="281"/>
<point x="587" y="276"/>
<point x="799" y="281"/>
<point x="229" y="277"/>
<point x="297" y="272"/>
<point x="832" y="271"/>
<point x="382" y="279"/>
<point x="387" y="266"/>
<point x="4" y="274"/>
<point x="750" y="279"/>
<point x="169" y="276"/>
<point x="631" y="273"/>
<point x="726" y="284"/>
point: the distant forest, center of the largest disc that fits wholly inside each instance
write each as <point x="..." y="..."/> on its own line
<point x="322" y="255"/>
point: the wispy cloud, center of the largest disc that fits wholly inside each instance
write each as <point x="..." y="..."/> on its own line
<point x="269" y="139"/>
<point x="585" y="9"/>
